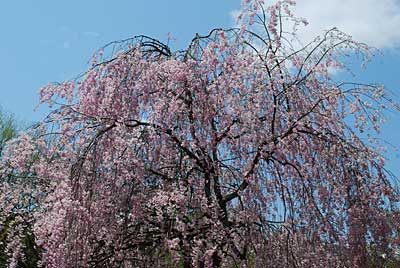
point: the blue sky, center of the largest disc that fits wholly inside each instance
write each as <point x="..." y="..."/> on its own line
<point x="47" y="40"/>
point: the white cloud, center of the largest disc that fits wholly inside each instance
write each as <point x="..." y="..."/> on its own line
<point x="91" y="34"/>
<point x="64" y="28"/>
<point x="66" y="44"/>
<point x="374" y="22"/>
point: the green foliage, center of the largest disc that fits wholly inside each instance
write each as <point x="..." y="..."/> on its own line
<point x="381" y="260"/>
<point x="8" y="128"/>
<point x="29" y="248"/>
<point x="3" y="240"/>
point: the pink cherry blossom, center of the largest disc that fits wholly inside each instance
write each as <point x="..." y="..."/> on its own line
<point x="239" y="151"/>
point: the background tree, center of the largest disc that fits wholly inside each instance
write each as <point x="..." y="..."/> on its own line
<point x="7" y="132"/>
<point x="9" y="128"/>
<point x="234" y="152"/>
